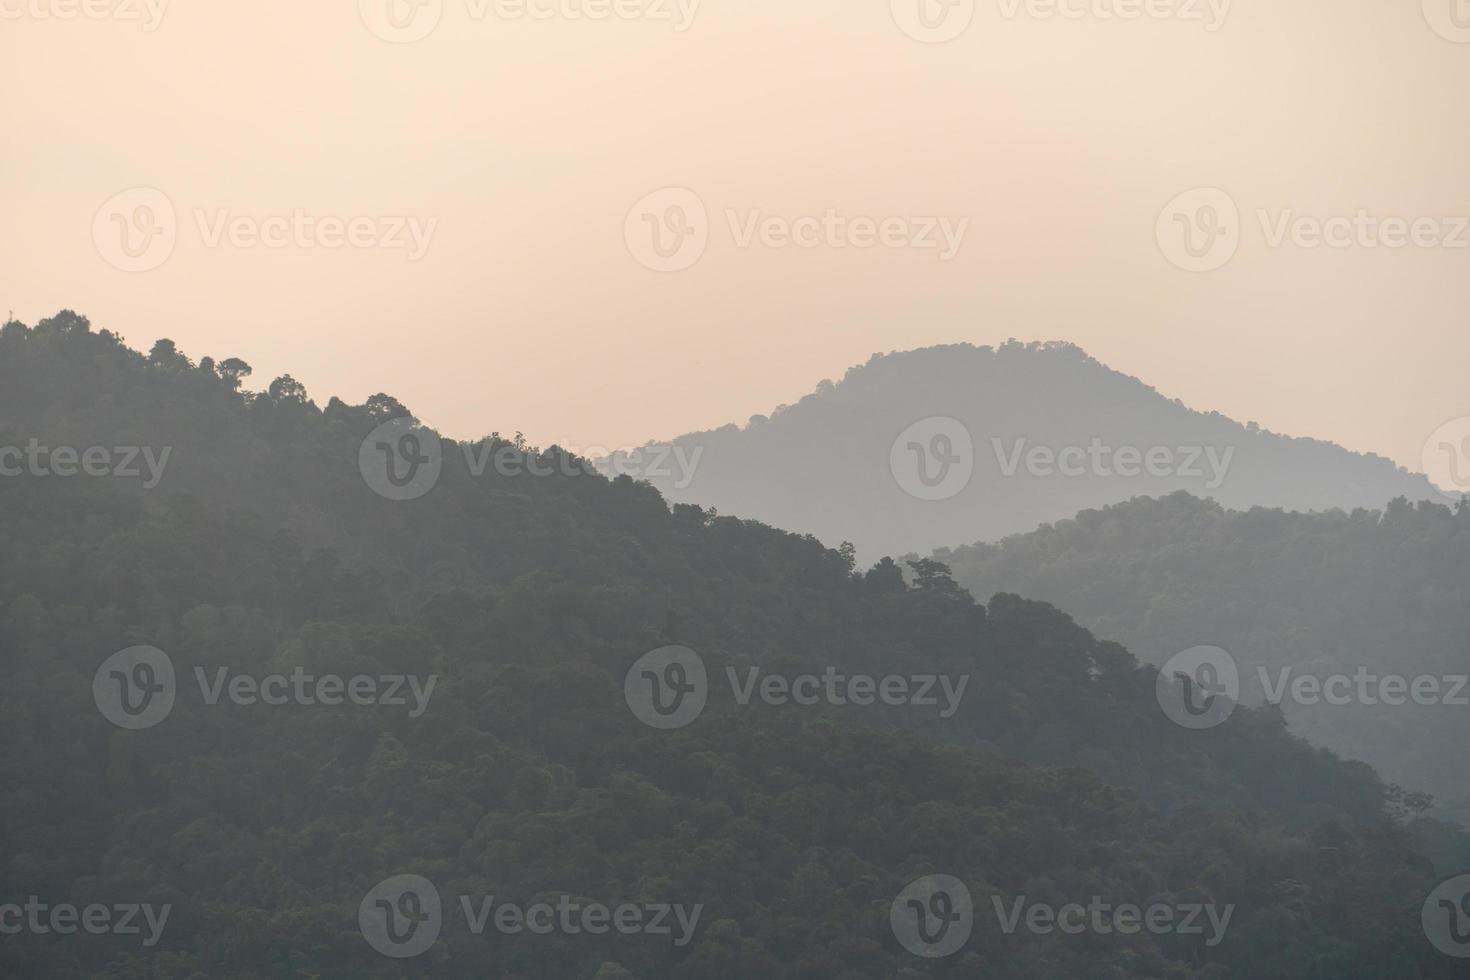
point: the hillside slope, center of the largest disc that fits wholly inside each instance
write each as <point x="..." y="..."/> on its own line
<point x="1376" y="594"/>
<point x="264" y="549"/>
<point x="1035" y="433"/>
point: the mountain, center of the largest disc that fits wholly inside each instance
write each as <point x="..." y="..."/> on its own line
<point x="936" y="447"/>
<point x="165" y="746"/>
<point x="1368" y="597"/>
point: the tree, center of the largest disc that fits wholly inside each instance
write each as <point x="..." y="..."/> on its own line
<point x="287" y="389"/>
<point x="934" y="576"/>
<point x="385" y="407"/>
<point x="64" y="322"/>
<point x="233" y="371"/>
<point x="165" y="354"/>
<point x="885" y="576"/>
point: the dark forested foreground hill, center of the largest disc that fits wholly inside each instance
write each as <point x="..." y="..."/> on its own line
<point x="313" y="694"/>
<point x="1358" y="624"/>
<point x="929" y="448"/>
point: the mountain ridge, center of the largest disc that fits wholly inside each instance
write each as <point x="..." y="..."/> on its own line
<point x="531" y="597"/>
<point x="1011" y="401"/>
<point x="1379" y="592"/>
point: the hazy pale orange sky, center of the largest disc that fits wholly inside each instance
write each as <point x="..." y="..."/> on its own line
<point x="452" y="219"/>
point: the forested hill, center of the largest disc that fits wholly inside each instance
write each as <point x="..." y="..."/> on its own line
<point x="1379" y="593"/>
<point x="931" y="448"/>
<point x="264" y="546"/>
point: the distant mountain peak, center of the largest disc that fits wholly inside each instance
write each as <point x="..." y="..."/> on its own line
<point x="1012" y="436"/>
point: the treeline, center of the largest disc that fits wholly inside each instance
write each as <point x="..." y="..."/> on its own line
<point x="1370" y="594"/>
<point x="263" y="550"/>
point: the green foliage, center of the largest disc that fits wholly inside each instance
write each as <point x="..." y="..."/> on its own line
<point x="530" y="596"/>
<point x="1385" y="592"/>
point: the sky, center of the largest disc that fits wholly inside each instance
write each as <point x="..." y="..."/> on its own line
<point x="602" y="222"/>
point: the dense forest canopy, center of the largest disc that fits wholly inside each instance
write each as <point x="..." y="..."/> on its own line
<point x="527" y="593"/>
<point x="1354" y="600"/>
